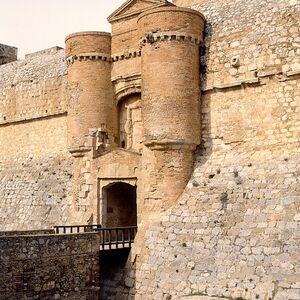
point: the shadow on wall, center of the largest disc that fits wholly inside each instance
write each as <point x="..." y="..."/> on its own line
<point x="117" y="276"/>
<point x="205" y="148"/>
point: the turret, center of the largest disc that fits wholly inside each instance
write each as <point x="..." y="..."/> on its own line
<point x="170" y="38"/>
<point x="170" y="76"/>
<point x="91" y="94"/>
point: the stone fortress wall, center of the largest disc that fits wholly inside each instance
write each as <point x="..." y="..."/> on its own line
<point x="35" y="175"/>
<point x="234" y="232"/>
<point x="42" y="265"/>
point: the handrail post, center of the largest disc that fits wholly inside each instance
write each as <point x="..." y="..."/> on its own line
<point x="129" y="237"/>
<point x="109" y="234"/>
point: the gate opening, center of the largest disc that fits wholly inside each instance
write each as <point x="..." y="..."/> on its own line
<point x="121" y="205"/>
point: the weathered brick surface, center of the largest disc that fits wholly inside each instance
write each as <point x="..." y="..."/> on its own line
<point x="89" y="67"/>
<point x="34" y="87"/>
<point x="234" y="232"/>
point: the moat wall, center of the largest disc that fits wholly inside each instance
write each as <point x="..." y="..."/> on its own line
<point x="49" y="266"/>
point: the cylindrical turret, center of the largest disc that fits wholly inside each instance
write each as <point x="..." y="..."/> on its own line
<point x="170" y="38"/>
<point x="91" y="93"/>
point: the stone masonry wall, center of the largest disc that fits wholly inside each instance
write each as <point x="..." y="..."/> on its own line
<point x="34" y="87"/>
<point x="249" y="39"/>
<point x="234" y="233"/>
<point x="35" y="170"/>
<point x="35" y="193"/>
<point x="49" y="267"/>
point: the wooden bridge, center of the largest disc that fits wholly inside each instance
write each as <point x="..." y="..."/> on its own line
<point x="110" y="237"/>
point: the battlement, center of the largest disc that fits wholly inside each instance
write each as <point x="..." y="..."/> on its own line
<point x="8" y="54"/>
<point x="49" y="51"/>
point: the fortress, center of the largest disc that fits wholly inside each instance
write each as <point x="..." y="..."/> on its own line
<point x="184" y="122"/>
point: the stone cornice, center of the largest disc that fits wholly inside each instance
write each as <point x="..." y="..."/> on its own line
<point x="121" y="13"/>
<point x="128" y="90"/>
<point x="169" y="144"/>
<point x="33" y="118"/>
<point x="254" y="81"/>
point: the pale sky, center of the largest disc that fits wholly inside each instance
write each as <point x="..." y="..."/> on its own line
<point x="33" y="25"/>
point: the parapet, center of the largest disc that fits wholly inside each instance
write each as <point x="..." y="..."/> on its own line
<point x="48" y="51"/>
<point x="177" y="21"/>
<point x="88" y="43"/>
<point x="8" y="54"/>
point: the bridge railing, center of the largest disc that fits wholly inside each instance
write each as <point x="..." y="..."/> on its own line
<point x="117" y="237"/>
<point x="63" y="229"/>
<point x="110" y="237"/>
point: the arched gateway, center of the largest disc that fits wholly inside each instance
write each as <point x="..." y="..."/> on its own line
<point x="121" y="207"/>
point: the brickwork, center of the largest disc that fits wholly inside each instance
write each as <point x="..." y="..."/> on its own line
<point x="89" y="55"/>
<point x="234" y="232"/>
<point x="35" y="193"/>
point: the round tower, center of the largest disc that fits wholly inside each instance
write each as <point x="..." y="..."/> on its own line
<point x="170" y="38"/>
<point x="91" y="92"/>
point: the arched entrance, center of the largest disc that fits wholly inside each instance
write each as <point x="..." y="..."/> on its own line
<point x="121" y="208"/>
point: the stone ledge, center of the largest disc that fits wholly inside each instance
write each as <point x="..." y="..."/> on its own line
<point x="280" y="76"/>
<point x="88" y="56"/>
<point x="33" y="118"/>
<point x="232" y="84"/>
<point x="178" y="36"/>
<point x="127" y="55"/>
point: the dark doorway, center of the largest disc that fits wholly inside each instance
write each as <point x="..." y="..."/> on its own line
<point x="121" y="205"/>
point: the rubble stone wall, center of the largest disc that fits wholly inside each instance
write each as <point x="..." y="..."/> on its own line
<point x="49" y="267"/>
<point x="35" y="171"/>
<point x="34" y="87"/>
<point x="234" y="233"/>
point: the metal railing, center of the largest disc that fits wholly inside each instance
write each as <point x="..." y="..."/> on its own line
<point x="76" y="228"/>
<point x="110" y="237"/>
<point x="117" y="237"/>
